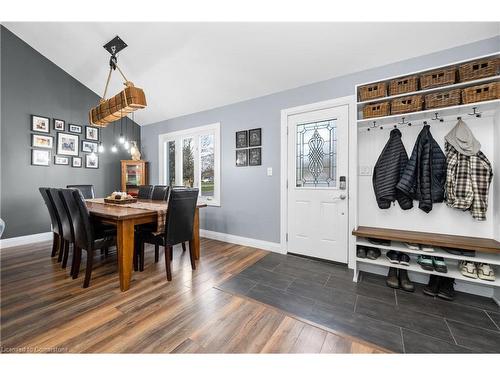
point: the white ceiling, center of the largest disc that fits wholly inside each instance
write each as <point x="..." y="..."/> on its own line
<point x="190" y="67"/>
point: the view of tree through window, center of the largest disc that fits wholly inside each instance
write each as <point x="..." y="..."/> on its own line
<point x="188" y="162"/>
<point x="171" y="163"/>
<point x="207" y="165"/>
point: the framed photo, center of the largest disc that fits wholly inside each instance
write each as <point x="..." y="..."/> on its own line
<point x="241" y="158"/>
<point x="89" y="146"/>
<point x="59" y="125"/>
<point x="75" y="128"/>
<point x="40" y="124"/>
<point x="255" y="137"/>
<point x="40" y="157"/>
<point x="242" y="139"/>
<point x="92" y="133"/>
<point x="76" y="162"/>
<point x="91" y="161"/>
<point x="67" y="144"/>
<point x="42" y="141"/>
<point x="255" y="156"/>
<point x="61" y="160"/>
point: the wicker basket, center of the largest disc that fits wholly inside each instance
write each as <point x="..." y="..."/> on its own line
<point x="403" y="85"/>
<point x="406" y="104"/>
<point x="441" y="77"/>
<point x="376" y="110"/>
<point x="479" y="69"/>
<point x="373" y="91"/>
<point x="443" y="99"/>
<point x="480" y="93"/>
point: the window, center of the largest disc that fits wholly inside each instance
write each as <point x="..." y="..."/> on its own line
<point x="191" y="158"/>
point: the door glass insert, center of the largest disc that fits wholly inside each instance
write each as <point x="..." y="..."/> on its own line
<point x="133" y="175"/>
<point x="171" y="163"/>
<point x="316" y="162"/>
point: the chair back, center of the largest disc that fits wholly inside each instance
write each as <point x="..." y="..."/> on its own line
<point x="54" y="217"/>
<point x="160" y="193"/>
<point x="180" y="216"/>
<point x="67" y="230"/>
<point x="145" y="191"/>
<point x="71" y="208"/>
<point x="84" y="231"/>
<point x="87" y="190"/>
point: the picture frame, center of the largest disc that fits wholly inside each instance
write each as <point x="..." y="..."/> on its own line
<point x="255" y="137"/>
<point x="242" y="158"/>
<point x="59" y="125"/>
<point x="42" y="141"/>
<point x="40" y="124"/>
<point x="72" y="128"/>
<point x="91" y="161"/>
<point x="255" y="156"/>
<point x="67" y="144"/>
<point x="90" y="147"/>
<point x="76" y="162"/>
<point x="242" y="139"/>
<point x="92" y="133"/>
<point x="61" y="160"/>
<point x="40" y="157"/>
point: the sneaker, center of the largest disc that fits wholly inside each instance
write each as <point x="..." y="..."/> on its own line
<point x="393" y="256"/>
<point x="427" y="248"/>
<point x="425" y="262"/>
<point x="432" y="288"/>
<point x="485" y="272"/>
<point x="405" y="282"/>
<point x="446" y="290"/>
<point x="439" y="264"/>
<point x="404" y="259"/>
<point x="412" y="246"/>
<point x="392" y="278"/>
<point x="468" y="269"/>
<point x="372" y="253"/>
<point x="378" y="241"/>
<point x="361" y="252"/>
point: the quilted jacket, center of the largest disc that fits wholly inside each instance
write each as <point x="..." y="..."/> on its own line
<point x="387" y="172"/>
<point x="425" y="174"/>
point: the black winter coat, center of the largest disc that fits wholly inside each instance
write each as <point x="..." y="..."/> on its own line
<point x="387" y="173"/>
<point x="425" y="173"/>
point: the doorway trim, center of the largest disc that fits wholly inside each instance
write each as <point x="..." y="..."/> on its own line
<point x="352" y="183"/>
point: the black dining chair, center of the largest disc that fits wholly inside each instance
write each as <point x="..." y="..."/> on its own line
<point x="145" y="192"/>
<point x="179" y="226"/>
<point x="87" y="190"/>
<point x="160" y="193"/>
<point x="57" y="241"/>
<point x="67" y="233"/>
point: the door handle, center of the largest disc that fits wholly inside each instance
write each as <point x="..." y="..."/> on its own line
<point x="341" y="196"/>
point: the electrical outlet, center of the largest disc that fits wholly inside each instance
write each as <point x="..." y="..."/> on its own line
<point x="269" y="171"/>
<point x="365" y="170"/>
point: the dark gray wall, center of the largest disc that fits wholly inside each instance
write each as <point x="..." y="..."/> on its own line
<point x="31" y="84"/>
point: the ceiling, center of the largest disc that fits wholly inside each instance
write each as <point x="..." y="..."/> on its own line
<point x="190" y="67"/>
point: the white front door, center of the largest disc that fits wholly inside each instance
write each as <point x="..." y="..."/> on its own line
<point x="317" y="195"/>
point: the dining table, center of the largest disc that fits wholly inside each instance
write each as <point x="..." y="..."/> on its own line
<point x="125" y="218"/>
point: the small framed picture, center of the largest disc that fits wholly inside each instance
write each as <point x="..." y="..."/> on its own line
<point x="42" y="141"/>
<point x="40" y="124"/>
<point x="61" y="160"/>
<point x="255" y="137"/>
<point x="241" y="158"/>
<point x="59" y="125"/>
<point x="75" y="129"/>
<point x="40" y="157"/>
<point x="255" y="156"/>
<point x="89" y="146"/>
<point x="76" y="162"/>
<point x="91" y="161"/>
<point x="242" y="139"/>
<point x="92" y="133"/>
<point x="67" y="144"/>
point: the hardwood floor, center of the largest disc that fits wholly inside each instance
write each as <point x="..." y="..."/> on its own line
<point x="44" y="310"/>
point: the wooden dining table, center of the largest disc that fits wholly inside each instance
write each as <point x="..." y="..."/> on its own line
<point x="125" y="219"/>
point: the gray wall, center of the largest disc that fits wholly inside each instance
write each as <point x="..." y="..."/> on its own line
<point x="31" y="84"/>
<point x="250" y="201"/>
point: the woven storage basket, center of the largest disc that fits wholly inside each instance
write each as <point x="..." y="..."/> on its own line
<point x="479" y="69"/>
<point x="443" y="99"/>
<point x="403" y="85"/>
<point x="406" y="104"/>
<point x="480" y="93"/>
<point x="441" y="77"/>
<point x="373" y="91"/>
<point x="376" y="110"/>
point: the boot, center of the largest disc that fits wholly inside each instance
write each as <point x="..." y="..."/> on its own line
<point x="392" y="278"/>
<point x="405" y="282"/>
<point x="446" y="290"/>
<point x="432" y="288"/>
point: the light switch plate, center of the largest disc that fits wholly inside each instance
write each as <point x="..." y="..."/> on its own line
<point x="365" y="170"/>
<point x="269" y="171"/>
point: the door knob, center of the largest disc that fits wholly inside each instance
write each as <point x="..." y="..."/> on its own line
<point x="343" y="196"/>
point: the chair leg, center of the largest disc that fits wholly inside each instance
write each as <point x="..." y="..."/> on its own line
<point x="167" y="263"/>
<point x="157" y="253"/>
<point x="73" y="261"/>
<point x="88" y="269"/>
<point x="141" y="257"/>
<point x="61" y="248"/>
<point x="191" y="255"/>
<point x="55" y="242"/>
<point x="136" y="255"/>
<point x="183" y="247"/>
<point x="102" y="251"/>
<point x="65" y="254"/>
<point x="77" y="258"/>
<point x="171" y="252"/>
<point x="106" y="252"/>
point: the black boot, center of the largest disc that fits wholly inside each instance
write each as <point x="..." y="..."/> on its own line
<point x="432" y="288"/>
<point x="405" y="282"/>
<point x="392" y="278"/>
<point x="446" y="290"/>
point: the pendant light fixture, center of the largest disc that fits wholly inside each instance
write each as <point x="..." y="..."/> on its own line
<point x="114" y="149"/>
<point x="126" y="143"/>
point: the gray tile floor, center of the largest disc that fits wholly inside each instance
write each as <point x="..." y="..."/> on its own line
<point x="402" y="322"/>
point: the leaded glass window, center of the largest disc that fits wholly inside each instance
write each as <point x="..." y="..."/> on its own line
<point x="317" y="154"/>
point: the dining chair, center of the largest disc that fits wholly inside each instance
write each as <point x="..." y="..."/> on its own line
<point x="145" y="191"/>
<point x="179" y="226"/>
<point x="87" y="190"/>
<point x="67" y="234"/>
<point x="160" y="193"/>
<point x="57" y="241"/>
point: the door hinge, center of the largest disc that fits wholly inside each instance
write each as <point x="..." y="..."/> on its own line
<point x="287" y="184"/>
<point x="286" y="237"/>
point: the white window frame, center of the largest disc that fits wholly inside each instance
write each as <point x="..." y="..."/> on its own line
<point x="178" y="137"/>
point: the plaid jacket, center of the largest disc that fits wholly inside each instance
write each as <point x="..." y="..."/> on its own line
<point x="468" y="180"/>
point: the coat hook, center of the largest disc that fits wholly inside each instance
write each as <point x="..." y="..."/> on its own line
<point x="436" y="117"/>
<point x="475" y="113"/>
<point x="403" y="122"/>
<point x="459" y="118"/>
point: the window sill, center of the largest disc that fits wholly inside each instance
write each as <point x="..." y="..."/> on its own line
<point x="212" y="203"/>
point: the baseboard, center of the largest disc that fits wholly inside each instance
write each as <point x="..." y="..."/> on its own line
<point x="244" y="241"/>
<point x="25" y="240"/>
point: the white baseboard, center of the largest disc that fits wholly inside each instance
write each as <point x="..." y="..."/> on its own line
<point x="25" y="240"/>
<point x="244" y="241"/>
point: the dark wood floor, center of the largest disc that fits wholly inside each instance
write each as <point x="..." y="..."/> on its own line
<point x="44" y="310"/>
